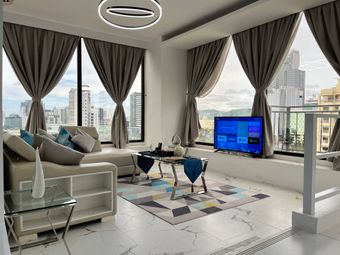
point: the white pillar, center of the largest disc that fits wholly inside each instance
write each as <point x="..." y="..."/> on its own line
<point x="309" y="164"/>
<point x="4" y="248"/>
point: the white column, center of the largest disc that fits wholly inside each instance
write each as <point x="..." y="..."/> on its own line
<point x="4" y="248"/>
<point x="309" y="165"/>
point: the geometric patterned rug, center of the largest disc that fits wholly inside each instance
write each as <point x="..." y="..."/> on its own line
<point x="153" y="195"/>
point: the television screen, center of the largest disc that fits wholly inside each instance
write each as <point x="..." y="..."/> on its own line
<point x="241" y="134"/>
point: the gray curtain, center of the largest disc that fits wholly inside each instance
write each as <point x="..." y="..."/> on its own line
<point x="39" y="58"/>
<point x="261" y="51"/>
<point x="324" y="21"/>
<point x="117" y="66"/>
<point x="204" y="67"/>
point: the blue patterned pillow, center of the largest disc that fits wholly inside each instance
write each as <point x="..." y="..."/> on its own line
<point x="27" y="137"/>
<point x="64" y="138"/>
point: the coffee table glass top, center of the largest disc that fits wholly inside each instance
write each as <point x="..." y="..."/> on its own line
<point x="170" y="160"/>
<point x="18" y="202"/>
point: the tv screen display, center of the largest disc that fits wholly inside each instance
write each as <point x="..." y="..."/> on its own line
<point x="241" y="134"/>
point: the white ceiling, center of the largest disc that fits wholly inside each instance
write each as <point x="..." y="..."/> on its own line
<point x="185" y="23"/>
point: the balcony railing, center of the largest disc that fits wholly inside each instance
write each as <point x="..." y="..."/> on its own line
<point x="289" y="122"/>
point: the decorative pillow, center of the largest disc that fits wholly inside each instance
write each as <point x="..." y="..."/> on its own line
<point x="46" y="134"/>
<point x="19" y="146"/>
<point x="26" y="136"/>
<point x="83" y="140"/>
<point x="38" y="140"/>
<point x="59" y="154"/>
<point x="64" y="138"/>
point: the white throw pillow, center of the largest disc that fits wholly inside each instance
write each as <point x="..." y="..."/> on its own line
<point x="83" y="140"/>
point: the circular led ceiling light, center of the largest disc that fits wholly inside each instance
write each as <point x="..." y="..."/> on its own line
<point x="131" y="15"/>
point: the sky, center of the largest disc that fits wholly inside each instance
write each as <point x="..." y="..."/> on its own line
<point x="233" y="90"/>
<point x="13" y="92"/>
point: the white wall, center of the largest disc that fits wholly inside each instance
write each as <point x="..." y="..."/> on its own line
<point x="165" y="81"/>
<point x="282" y="171"/>
<point x="4" y="249"/>
<point x="173" y="93"/>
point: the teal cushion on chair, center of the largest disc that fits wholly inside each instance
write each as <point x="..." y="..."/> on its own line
<point x="27" y="136"/>
<point x="64" y="138"/>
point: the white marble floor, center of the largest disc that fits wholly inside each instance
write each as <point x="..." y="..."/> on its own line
<point x="135" y="231"/>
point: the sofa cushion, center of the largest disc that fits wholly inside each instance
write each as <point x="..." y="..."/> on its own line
<point x="92" y="131"/>
<point x="83" y="140"/>
<point x="19" y="146"/>
<point x="59" y="154"/>
<point x="64" y="138"/>
<point x="46" y="134"/>
<point x="26" y="136"/>
<point x="119" y="157"/>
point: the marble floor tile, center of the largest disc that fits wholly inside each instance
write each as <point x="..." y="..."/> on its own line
<point x="135" y="231"/>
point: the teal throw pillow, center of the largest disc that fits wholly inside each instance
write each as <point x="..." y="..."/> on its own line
<point x="26" y="136"/>
<point x="64" y="138"/>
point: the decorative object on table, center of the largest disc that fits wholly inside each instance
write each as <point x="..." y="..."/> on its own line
<point x="145" y="163"/>
<point x="153" y="195"/>
<point x="178" y="149"/>
<point x="130" y="15"/>
<point x="176" y="140"/>
<point x="38" y="180"/>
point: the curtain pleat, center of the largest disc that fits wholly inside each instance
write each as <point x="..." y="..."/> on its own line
<point x="39" y="58"/>
<point x="117" y="66"/>
<point x="261" y="51"/>
<point x="324" y="21"/>
<point x="204" y="66"/>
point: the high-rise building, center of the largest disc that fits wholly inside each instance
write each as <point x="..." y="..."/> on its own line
<point x="327" y="98"/>
<point x="13" y="121"/>
<point x="72" y="107"/>
<point x="136" y="109"/>
<point x="86" y="105"/>
<point x="288" y="89"/>
<point x="24" y="111"/>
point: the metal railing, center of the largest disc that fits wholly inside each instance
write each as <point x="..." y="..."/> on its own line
<point x="289" y="124"/>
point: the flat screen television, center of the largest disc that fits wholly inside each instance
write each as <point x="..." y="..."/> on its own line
<point x="240" y="134"/>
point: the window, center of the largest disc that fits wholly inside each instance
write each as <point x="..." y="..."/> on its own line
<point x="305" y="81"/>
<point x="57" y="108"/>
<point x="61" y="104"/>
<point x="16" y="102"/>
<point x="232" y="96"/>
<point x="98" y="107"/>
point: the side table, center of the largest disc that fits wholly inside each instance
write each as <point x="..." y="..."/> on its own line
<point x="18" y="203"/>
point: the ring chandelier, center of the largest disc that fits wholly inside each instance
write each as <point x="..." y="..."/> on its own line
<point x="130" y="15"/>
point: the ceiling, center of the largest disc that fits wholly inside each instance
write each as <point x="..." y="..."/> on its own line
<point x="184" y="23"/>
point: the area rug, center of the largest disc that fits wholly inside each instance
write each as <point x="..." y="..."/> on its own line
<point x="153" y="195"/>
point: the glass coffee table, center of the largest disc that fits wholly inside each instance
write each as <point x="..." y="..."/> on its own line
<point x="173" y="161"/>
<point x="18" y="203"/>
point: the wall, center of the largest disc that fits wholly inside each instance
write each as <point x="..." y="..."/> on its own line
<point x="165" y="82"/>
<point x="282" y="171"/>
<point x="173" y="93"/>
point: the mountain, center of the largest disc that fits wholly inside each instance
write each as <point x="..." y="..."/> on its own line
<point x="210" y="114"/>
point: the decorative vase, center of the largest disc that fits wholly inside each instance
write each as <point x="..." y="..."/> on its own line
<point x="179" y="151"/>
<point x="176" y="140"/>
<point x="38" y="181"/>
